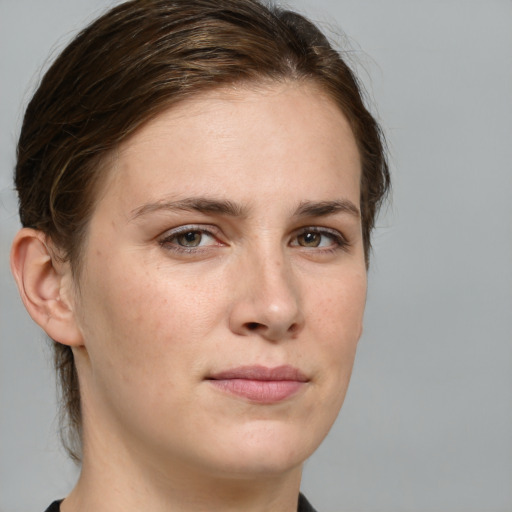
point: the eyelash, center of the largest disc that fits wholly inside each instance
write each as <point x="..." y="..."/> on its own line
<point x="169" y="241"/>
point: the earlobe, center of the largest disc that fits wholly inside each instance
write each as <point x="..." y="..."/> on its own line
<point x="44" y="286"/>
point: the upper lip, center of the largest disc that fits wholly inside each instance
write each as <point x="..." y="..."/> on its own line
<point x="264" y="373"/>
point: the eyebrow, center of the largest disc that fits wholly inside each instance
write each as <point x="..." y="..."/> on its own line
<point x="231" y="209"/>
<point x="197" y="204"/>
<point x="323" y="208"/>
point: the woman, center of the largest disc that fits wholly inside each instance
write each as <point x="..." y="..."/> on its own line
<point x="198" y="182"/>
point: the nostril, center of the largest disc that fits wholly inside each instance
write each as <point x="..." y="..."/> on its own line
<point x="252" y="326"/>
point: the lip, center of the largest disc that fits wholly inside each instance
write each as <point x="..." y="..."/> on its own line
<point x="260" y="384"/>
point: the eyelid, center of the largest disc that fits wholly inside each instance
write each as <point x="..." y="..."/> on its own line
<point x="203" y="228"/>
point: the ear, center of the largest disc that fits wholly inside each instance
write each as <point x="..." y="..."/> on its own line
<point x="46" y="286"/>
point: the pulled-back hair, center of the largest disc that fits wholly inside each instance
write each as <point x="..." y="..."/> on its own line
<point x="136" y="61"/>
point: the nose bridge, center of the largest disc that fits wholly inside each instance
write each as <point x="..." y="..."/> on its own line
<point x="270" y="303"/>
<point x="277" y="288"/>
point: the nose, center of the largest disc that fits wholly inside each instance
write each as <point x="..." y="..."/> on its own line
<point x="267" y="301"/>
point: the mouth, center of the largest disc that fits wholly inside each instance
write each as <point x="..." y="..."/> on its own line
<point x="260" y="384"/>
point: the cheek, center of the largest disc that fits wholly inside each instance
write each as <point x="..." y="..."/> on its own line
<point x="337" y="321"/>
<point x="338" y="306"/>
<point x="138" y="340"/>
<point x="334" y="328"/>
<point x="144" y="320"/>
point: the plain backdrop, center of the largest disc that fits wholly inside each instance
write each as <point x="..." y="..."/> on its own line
<point x="427" y="423"/>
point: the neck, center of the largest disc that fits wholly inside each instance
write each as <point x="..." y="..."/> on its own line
<point x="119" y="480"/>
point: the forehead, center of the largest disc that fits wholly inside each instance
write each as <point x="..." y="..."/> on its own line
<point x="260" y="138"/>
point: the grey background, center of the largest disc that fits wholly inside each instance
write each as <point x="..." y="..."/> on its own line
<point x="427" y="424"/>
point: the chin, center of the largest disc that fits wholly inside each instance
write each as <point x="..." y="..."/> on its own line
<point x="263" y="450"/>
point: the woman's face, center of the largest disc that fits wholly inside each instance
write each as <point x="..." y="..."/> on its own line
<point x="224" y="282"/>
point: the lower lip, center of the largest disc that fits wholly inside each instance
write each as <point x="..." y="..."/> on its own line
<point x="260" y="391"/>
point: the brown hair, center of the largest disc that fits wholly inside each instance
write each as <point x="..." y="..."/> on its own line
<point x="137" y="60"/>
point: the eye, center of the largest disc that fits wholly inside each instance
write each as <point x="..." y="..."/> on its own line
<point x="321" y="238"/>
<point x="188" y="239"/>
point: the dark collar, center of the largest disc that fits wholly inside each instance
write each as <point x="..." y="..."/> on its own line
<point x="304" y="505"/>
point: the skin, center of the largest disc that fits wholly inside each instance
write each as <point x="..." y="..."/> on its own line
<point x="155" y="315"/>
